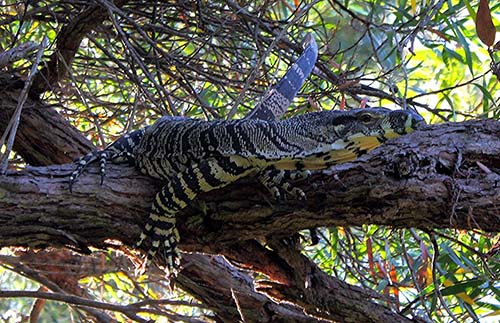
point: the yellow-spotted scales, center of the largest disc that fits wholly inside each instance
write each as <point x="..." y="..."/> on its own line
<point x="192" y="156"/>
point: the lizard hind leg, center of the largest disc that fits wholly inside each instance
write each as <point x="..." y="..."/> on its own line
<point x="180" y="189"/>
<point x="276" y="181"/>
<point x="160" y="227"/>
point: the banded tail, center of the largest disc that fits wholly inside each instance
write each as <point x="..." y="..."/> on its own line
<point x="276" y="101"/>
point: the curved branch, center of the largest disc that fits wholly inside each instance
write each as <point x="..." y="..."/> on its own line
<point x="44" y="137"/>
<point x="67" y="44"/>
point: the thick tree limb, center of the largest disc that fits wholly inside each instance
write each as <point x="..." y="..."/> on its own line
<point x="56" y="227"/>
<point x="411" y="182"/>
<point x="444" y="176"/>
<point x="44" y="137"/>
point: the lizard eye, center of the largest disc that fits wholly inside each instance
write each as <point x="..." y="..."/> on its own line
<point x="366" y="118"/>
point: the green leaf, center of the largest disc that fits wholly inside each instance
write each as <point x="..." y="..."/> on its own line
<point x="453" y="256"/>
<point x="461" y="287"/>
<point x="463" y="42"/>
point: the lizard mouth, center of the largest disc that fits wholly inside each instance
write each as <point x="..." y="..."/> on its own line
<point x="415" y="122"/>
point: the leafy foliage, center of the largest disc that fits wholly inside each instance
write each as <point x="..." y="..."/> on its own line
<point x="216" y="59"/>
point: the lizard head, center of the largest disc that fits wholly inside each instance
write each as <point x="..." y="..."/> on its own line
<point x="381" y="122"/>
<point x="360" y="130"/>
<point x="370" y="127"/>
<point x="327" y="138"/>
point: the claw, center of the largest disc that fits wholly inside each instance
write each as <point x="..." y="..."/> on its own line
<point x="83" y="162"/>
<point x="277" y="180"/>
<point x="314" y="236"/>
<point x="71" y="184"/>
<point x="102" y="165"/>
<point x="161" y="245"/>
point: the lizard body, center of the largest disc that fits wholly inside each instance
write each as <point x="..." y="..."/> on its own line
<point x="192" y="156"/>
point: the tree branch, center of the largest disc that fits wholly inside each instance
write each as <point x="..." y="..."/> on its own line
<point x="442" y="177"/>
<point x="67" y="44"/>
<point x="429" y="179"/>
<point x="44" y="137"/>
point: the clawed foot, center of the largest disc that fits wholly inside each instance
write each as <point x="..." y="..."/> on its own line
<point x="83" y="162"/>
<point x="277" y="181"/>
<point x="165" y="249"/>
<point x="172" y="267"/>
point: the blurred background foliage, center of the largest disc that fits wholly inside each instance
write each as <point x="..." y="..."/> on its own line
<point x="215" y="59"/>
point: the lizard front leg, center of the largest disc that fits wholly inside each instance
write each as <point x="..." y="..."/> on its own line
<point x="276" y="180"/>
<point x="120" y="151"/>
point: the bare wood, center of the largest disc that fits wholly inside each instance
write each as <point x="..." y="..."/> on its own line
<point x="11" y="130"/>
<point x="67" y="44"/>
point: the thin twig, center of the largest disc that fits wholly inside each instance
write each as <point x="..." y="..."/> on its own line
<point x="253" y="75"/>
<point x="11" y="129"/>
<point x="17" y="53"/>
<point x="112" y="9"/>
<point x="238" y="305"/>
<point x="84" y="101"/>
<point x="435" y="280"/>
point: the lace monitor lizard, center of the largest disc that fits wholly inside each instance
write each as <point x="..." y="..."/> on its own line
<point x="273" y="105"/>
<point x="193" y="156"/>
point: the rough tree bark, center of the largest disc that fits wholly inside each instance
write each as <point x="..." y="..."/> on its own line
<point x="44" y="137"/>
<point x="68" y="43"/>
<point x="443" y="176"/>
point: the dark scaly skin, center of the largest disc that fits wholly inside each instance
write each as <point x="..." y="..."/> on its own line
<point x="120" y="151"/>
<point x="275" y="102"/>
<point x="194" y="156"/>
